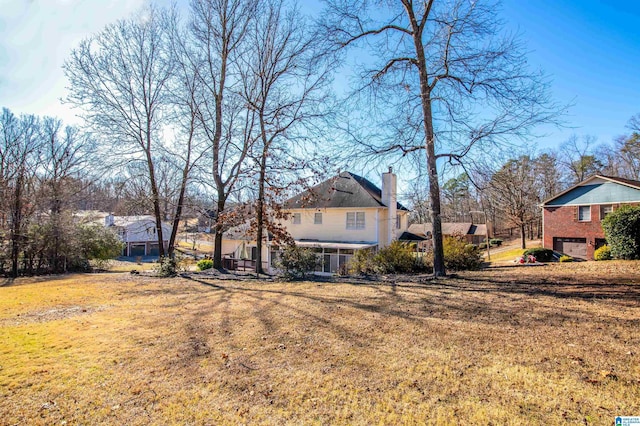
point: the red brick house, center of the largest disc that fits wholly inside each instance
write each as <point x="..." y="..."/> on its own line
<point x="572" y="219"/>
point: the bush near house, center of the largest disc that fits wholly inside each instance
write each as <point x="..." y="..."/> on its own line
<point x="622" y="230"/>
<point x="541" y="254"/>
<point x="603" y="253"/>
<point x="495" y="242"/>
<point x="362" y="263"/>
<point x="167" y="267"/>
<point x="99" y="243"/>
<point x="296" y="262"/>
<point x="204" y="264"/>
<point x="396" y="258"/>
<point x="400" y="257"/>
<point x="565" y="258"/>
<point x="458" y="255"/>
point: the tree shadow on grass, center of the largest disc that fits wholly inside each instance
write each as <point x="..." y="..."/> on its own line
<point x="6" y="282"/>
<point x="460" y="298"/>
<point x="562" y="288"/>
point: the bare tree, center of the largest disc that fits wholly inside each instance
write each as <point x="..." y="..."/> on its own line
<point x="65" y="156"/>
<point x="19" y="150"/>
<point x="285" y="76"/>
<point x="188" y="148"/>
<point x="628" y="149"/>
<point x="219" y="29"/>
<point x="444" y="81"/>
<point x="578" y="157"/>
<point x="119" y="79"/>
<point x="549" y="175"/>
<point x="512" y="190"/>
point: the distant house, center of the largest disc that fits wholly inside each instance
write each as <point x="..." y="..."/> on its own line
<point x="470" y="232"/>
<point x="572" y="220"/>
<point x="335" y="218"/>
<point x="139" y="233"/>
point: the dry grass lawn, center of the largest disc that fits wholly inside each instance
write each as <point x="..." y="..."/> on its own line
<point x="549" y="345"/>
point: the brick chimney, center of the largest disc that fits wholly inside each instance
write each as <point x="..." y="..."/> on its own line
<point x="389" y="199"/>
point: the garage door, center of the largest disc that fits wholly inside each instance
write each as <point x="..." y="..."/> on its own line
<point x="574" y="247"/>
<point x="137" y="250"/>
<point x="154" y="250"/>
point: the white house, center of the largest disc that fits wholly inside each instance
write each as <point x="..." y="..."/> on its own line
<point x="139" y="233"/>
<point x="335" y="218"/>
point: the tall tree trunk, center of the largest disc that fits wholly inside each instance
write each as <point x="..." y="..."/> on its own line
<point x="523" y="242"/>
<point x="217" y="240"/>
<point x="260" y="208"/>
<point x="16" y="225"/>
<point x="156" y="201"/>
<point x="176" y="218"/>
<point x="183" y="189"/>
<point x="427" y="116"/>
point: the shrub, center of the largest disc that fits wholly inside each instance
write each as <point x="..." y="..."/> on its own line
<point x="167" y="267"/>
<point x="296" y="262"/>
<point x="566" y="258"/>
<point x="622" y="230"/>
<point x="541" y="254"/>
<point x="204" y="264"/>
<point x="362" y="262"/>
<point x="603" y="253"/>
<point x="397" y="257"/>
<point x="458" y="255"/>
<point x="495" y="242"/>
<point x="99" y="244"/>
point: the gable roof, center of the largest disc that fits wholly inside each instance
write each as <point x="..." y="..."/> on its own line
<point x="448" y="228"/>
<point x="580" y="192"/>
<point x="344" y="190"/>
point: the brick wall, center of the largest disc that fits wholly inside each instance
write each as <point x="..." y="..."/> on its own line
<point x="562" y="222"/>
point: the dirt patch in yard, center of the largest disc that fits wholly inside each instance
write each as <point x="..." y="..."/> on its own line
<point x="51" y="314"/>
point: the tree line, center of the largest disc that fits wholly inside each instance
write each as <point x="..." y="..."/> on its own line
<point x="227" y="98"/>
<point x="234" y="100"/>
<point x="44" y="167"/>
<point x="510" y="193"/>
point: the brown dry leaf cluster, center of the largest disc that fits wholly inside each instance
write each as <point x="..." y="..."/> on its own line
<point x="546" y="345"/>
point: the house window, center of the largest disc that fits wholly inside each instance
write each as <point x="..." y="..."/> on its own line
<point x="398" y="222"/>
<point x="317" y="219"/>
<point x="355" y="220"/>
<point x="605" y="210"/>
<point x="297" y="218"/>
<point x="584" y="213"/>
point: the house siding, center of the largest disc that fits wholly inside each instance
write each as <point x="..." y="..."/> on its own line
<point x="334" y="225"/>
<point x="562" y="222"/>
<point x="598" y="193"/>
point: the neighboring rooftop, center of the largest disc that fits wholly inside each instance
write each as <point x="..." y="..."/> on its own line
<point x="425" y="230"/>
<point x="597" y="189"/>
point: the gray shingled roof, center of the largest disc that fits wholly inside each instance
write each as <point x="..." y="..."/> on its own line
<point x="343" y="190"/>
<point x="449" y="228"/>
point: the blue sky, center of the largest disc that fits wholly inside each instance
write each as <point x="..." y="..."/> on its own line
<point x="591" y="51"/>
<point x="589" y="48"/>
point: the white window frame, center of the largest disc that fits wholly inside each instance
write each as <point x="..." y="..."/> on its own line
<point x="604" y="213"/>
<point x="317" y="218"/>
<point x="581" y="213"/>
<point x="296" y="219"/>
<point x="356" y="220"/>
